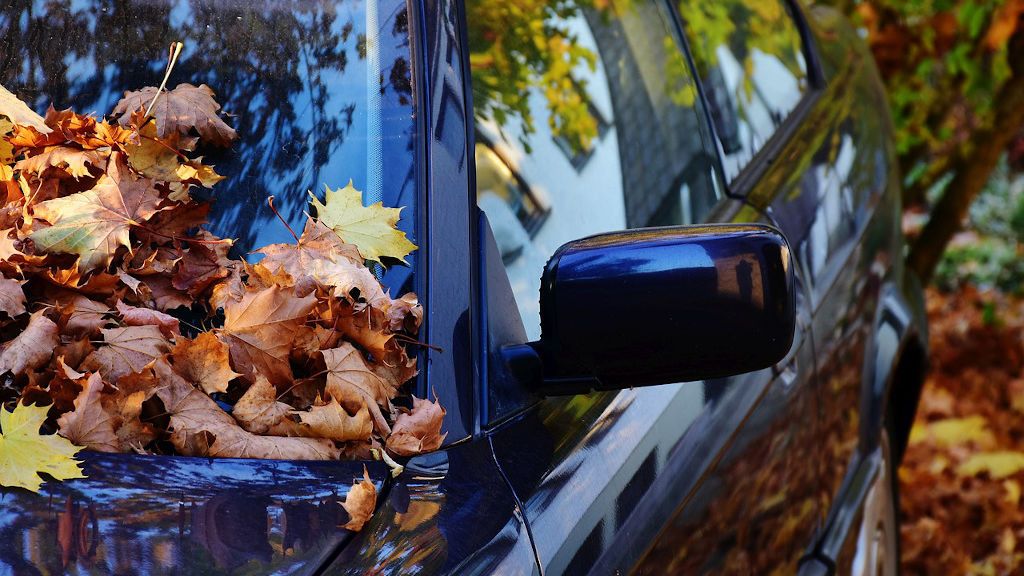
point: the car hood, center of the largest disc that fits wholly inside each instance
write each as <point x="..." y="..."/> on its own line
<point x="175" y="515"/>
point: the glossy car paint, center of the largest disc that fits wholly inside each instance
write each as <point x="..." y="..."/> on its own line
<point x="665" y="477"/>
<point x="176" y="515"/>
<point x="737" y="314"/>
<point x="702" y="476"/>
<point x="762" y="471"/>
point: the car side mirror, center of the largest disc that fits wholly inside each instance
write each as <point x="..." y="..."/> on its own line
<point x="661" y="305"/>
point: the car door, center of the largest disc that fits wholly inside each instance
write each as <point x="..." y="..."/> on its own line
<point x="588" y="120"/>
<point x="833" y="190"/>
<point x="829" y="183"/>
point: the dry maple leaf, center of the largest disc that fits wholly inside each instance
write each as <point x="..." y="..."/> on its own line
<point x="318" y="260"/>
<point x="32" y="348"/>
<point x="177" y="220"/>
<point x="12" y="297"/>
<point x="260" y="330"/>
<point x="73" y="161"/>
<point x="331" y="421"/>
<point x="405" y="313"/>
<point x="127" y="350"/>
<point x="89" y="424"/>
<point x="366" y="326"/>
<point x="160" y="159"/>
<point x="399" y="372"/>
<point x="199" y="268"/>
<point x="259" y="412"/>
<point x="178" y="111"/>
<point x="204" y="362"/>
<point x="123" y="404"/>
<point x="84" y="316"/>
<point x="201" y="428"/>
<point x="19" y="113"/>
<point x="24" y="453"/>
<point x="135" y="316"/>
<point x="94" y="223"/>
<point x="360" y="502"/>
<point x="372" y="229"/>
<point x="352" y="383"/>
<point x="418" y="430"/>
<point x="231" y="289"/>
<point x="98" y="283"/>
<point x="164" y="295"/>
<point x="132" y="432"/>
<point x="80" y="129"/>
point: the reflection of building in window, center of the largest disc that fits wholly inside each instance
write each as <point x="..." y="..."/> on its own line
<point x="579" y="155"/>
<point x="649" y="163"/>
<point x="494" y="175"/>
<point x="659" y="141"/>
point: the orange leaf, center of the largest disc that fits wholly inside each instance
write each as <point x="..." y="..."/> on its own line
<point x="418" y="430"/>
<point x="360" y="502"/>
<point x="135" y="316"/>
<point x="127" y="350"/>
<point x="89" y="424"/>
<point x="204" y="362"/>
<point x="32" y="348"/>
<point x="260" y="330"/>
<point x="12" y="297"/>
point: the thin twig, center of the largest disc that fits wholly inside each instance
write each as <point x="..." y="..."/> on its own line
<point x="415" y="342"/>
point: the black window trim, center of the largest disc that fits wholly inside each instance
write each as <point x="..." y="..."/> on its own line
<point x="761" y="162"/>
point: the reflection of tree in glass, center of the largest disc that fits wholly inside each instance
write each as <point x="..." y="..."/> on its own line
<point x="519" y="45"/>
<point x="272" y="64"/>
<point x="763" y="27"/>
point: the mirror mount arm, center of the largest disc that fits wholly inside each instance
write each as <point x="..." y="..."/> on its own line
<point x="524" y="363"/>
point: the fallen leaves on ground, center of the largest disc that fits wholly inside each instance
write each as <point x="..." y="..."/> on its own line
<point x="962" y="475"/>
<point x="103" y="248"/>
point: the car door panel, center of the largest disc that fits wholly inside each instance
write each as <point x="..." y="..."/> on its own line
<point x="449" y="512"/>
<point x="839" y="210"/>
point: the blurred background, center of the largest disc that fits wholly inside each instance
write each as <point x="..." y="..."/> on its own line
<point x="954" y="71"/>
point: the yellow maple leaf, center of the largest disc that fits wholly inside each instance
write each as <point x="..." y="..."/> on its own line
<point x="159" y="159"/>
<point x="371" y="229"/>
<point x="24" y="452"/>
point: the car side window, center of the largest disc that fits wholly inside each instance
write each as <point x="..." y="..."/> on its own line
<point x="749" y="56"/>
<point x="587" y="121"/>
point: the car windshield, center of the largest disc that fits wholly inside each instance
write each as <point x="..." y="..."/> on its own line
<point x="320" y="92"/>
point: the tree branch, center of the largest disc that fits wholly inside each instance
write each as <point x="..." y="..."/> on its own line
<point x="972" y="169"/>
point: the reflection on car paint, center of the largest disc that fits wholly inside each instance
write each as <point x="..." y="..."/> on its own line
<point x="168" y="515"/>
<point x="450" y="512"/>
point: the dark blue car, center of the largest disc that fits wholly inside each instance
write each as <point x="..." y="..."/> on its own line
<point x="660" y="258"/>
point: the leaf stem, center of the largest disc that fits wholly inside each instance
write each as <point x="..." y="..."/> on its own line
<point x="270" y="202"/>
<point x="179" y="238"/>
<point x="173" y="53"/>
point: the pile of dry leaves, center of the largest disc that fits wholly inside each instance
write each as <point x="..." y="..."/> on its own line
<point x="963" y="472"/>
<point x="300" y="356"/>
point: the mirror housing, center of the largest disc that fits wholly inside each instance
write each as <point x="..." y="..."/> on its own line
<point x="661" y="305"/>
